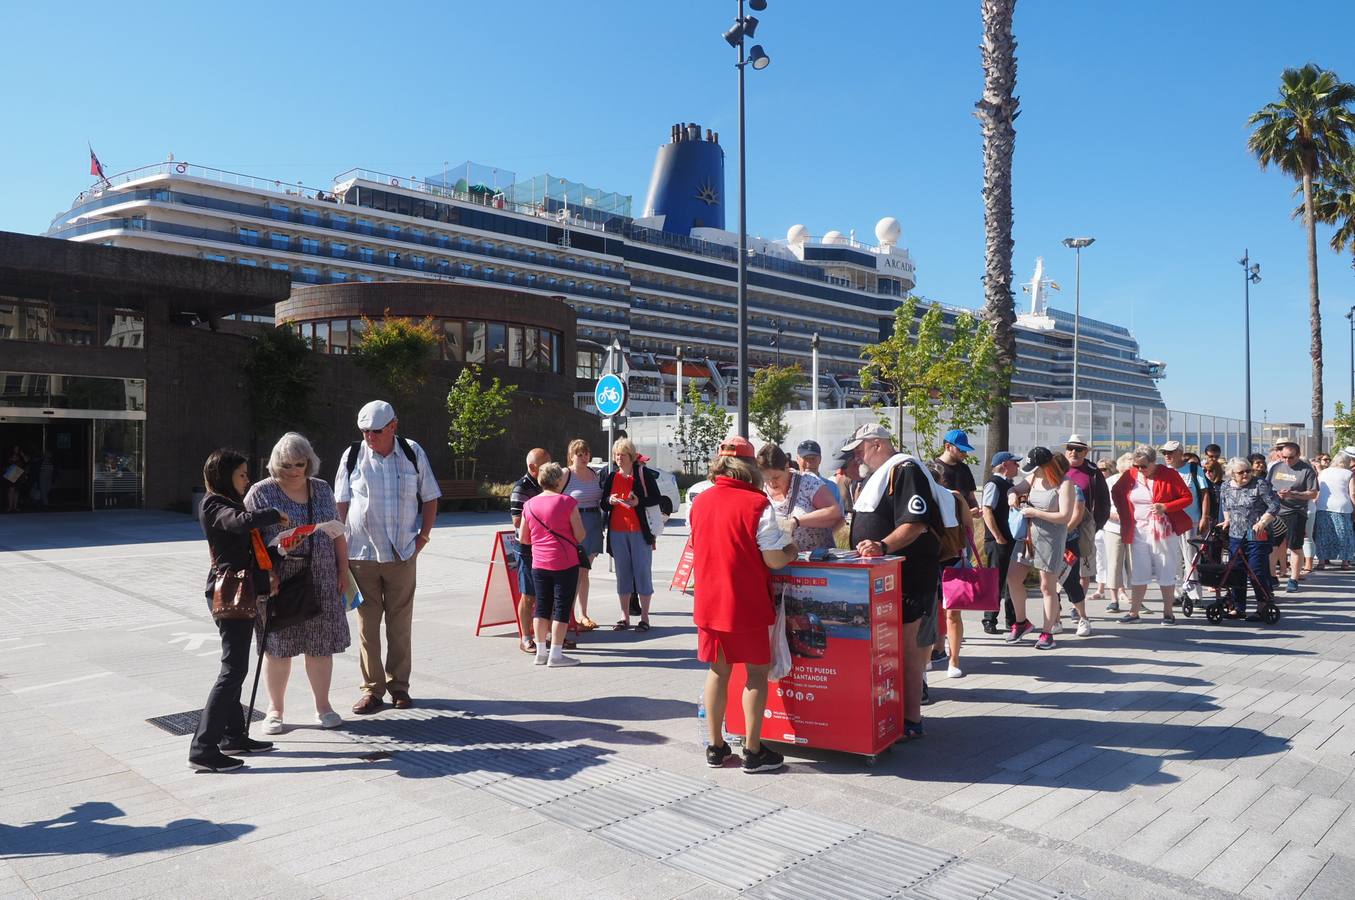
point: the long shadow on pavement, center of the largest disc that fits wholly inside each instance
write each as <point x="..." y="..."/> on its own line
<point x="87" y="828"/>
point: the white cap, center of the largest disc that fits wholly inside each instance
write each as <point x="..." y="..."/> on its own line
<point x="867" y="432"/>
<point x="377" y="414"/>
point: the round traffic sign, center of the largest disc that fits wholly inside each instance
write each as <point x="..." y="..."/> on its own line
<point x="610" y="395"/>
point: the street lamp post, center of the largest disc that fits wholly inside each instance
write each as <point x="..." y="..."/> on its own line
<point x="678" y="394"/>
<point x="1350" y="317"/>
<point x="814" y="381"/>
<point x="778" y="343"/>
<point x="744" y="27"/>
<point x="1251" y="274"/>
<point x="1077" y="244"/>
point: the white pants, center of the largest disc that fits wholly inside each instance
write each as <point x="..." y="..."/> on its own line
<point x="1149" y="563"/>
<point x="1101" y="556"/>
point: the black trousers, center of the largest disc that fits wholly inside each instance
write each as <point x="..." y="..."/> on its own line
<point x="223" y="717"/>
<point x="999" y="556"/>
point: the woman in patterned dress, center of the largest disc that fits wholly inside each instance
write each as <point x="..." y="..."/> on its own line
<point x="802" y="497"/>
<point x="292" y="488"/>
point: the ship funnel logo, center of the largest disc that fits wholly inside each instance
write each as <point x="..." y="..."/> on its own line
<point x="708" y="194"/>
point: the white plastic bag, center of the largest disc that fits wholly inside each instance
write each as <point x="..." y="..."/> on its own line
<point x="781" y="661"/>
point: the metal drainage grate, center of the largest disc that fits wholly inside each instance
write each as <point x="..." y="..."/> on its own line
<point x="187" y="722"/>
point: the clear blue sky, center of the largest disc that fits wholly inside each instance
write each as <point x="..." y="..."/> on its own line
<point x="1132" y="131"/>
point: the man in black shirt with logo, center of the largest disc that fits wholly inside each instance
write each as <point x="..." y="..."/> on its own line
<point x="895" y="513"/>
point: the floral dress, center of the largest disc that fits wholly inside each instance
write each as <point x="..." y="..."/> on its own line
<point x="799" y="501"/>
<point x="327" y="633"/>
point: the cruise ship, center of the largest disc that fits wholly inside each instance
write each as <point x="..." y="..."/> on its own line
<point x="652" y="283"/>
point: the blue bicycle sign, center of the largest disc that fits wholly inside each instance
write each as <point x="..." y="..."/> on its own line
<point x="610" y="395"/>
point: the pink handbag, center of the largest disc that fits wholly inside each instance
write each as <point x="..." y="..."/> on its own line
<point x="965" y="586"/>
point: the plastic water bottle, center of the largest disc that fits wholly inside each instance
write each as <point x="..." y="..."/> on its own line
<point x="703" y="731"/>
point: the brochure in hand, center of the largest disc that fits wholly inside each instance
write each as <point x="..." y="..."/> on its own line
<point x="291" y="538"/>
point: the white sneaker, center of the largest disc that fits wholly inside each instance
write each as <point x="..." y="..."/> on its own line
<point x="541" y="658"/>
<point x="1057" y="627"/>
<point x="954" y="672"/>
<point x="1084" y="627"/>
<point x="561" y="661"/>
<point x="272" y="724"/>
<point x="329" y="719"/>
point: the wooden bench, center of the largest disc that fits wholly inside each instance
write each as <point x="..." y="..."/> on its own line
<point x="462" y="489"/>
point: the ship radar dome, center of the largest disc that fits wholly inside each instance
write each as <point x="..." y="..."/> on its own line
<point x="796" y="235"/>
<point x="888" y="231"/>
<point x="834" y="237"/>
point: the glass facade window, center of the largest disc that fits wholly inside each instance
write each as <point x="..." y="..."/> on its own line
<point x="310" y="245"/>
<point x="279" y="267"/>
<point x="279" y="211"/>
<point x="475" y="338"/>
<point x="338" y="222"/>
<point x="214" y="257"/>
<point x="320" y="341"/>
<point x="338" y="335"/>
<point x="496" y="344"/>
<point x="417" y="262"/>
<point x="75" y="324"/>
<point x="89" y="323"/>
<point x="452" y="347"/>
<point x="310" y="216"/>
<point x="279" y="241"/>
<point x="249" y="236"/>
<point x="517" y="349"/>
<point x="366" y="254"/>
<point x="246" y="261"/>
<point x="337" y="249"/>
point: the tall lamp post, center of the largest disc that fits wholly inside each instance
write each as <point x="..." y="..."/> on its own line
<point x="744" y="27"/>
<point x="1350" y="317"/>
<point x="1077" y="244"/>
<point x="1251" y="274"/>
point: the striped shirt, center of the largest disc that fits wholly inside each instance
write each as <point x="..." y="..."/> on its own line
<point x="383" y="494"/>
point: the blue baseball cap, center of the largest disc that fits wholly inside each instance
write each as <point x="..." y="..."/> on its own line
<point x="959" y="439"/>
<point x="1003" y="456"/>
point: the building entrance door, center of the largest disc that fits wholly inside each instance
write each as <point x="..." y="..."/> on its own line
<point x="75" y="463"/>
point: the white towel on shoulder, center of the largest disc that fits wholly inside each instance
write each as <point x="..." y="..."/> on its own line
<point x="874" y="489"/>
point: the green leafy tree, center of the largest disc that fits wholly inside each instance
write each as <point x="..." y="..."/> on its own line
<point x="1344" y="423"/>
<point x="280" y="373"/>
<point x="1305" y="134"/>
<point x="699" y="432"/>
<point x="943" y="376"/>
<point x="996" y="111"/>
<point x="773" y="389"/>
<point x="397" y="351"/>
<point x="478" y="414"/>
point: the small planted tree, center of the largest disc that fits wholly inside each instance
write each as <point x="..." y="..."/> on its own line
<point x="478" y="414"/>
<point x="1344" y="424"/>
<point x="944" y="378"/>
<point x="699" y="432"/>
<point x="280" y="373"/>
<point x="773" y="391"/>
<point x="397" y="351"/>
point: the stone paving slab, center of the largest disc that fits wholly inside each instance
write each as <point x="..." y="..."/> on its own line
<point x="1142" y="761"/>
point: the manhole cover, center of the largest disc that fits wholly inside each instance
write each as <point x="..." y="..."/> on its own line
<point x="187" y="722"/>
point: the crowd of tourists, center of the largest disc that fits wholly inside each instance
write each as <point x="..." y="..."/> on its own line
<point x="292" y="554"/>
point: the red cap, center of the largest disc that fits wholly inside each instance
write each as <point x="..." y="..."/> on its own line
<point x="738" y="447"/>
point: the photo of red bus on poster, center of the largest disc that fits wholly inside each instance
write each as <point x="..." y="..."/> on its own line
<point x="843" y="621"/>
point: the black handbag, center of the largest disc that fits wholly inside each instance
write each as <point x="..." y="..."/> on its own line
<point x="296" y="600"/>
<point x="584" y="561"/>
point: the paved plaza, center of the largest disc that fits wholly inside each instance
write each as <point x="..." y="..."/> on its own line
<point x="1143" y="761"/>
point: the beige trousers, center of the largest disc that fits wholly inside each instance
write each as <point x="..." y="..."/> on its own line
<point x="387" y="590"/>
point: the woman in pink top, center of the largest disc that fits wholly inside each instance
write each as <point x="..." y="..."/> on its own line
<point x="552" y="527"/>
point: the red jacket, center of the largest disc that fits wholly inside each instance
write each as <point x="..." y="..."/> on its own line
<point x="1168" y="489"/>
<point x="733" y="584"/>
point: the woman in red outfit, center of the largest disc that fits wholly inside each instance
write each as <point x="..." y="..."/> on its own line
<point x="736" y="541"/>
<point x="1151" y="500"/>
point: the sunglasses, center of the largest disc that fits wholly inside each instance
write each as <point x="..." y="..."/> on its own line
<point x="295" y="465"/>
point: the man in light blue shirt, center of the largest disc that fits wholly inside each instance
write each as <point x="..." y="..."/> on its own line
<point x="387" y="496"/>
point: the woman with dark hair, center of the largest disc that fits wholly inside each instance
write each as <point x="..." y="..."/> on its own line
<point x="222" y="728"/>
<point x="1050" y="507"/>
<point x="802" y="497"/>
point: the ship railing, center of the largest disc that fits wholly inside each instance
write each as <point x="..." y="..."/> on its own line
<point x="494" y="198"/>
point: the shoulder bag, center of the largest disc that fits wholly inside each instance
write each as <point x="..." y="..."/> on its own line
<point x="296" y="600"/>
<point x="233" y="595"/>
<point x="584" y="561"/>
<point x="965" y="586"/>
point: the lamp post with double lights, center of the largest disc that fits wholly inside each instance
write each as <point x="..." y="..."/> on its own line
<point x="1076" y="244"/>
<point x="1251" y="274"/>
<point x="744" y="27"/>
<point x="1350" y="317"/>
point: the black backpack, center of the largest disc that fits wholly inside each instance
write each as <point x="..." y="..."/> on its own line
<point x="351" y="461"/>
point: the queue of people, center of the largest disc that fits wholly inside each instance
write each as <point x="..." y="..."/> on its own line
<point x="293" y="552"/>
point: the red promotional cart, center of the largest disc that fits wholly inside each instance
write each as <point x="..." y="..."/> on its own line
<point x="844" y="620"/>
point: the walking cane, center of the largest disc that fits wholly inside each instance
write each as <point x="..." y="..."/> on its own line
<point x="258" y="665"/>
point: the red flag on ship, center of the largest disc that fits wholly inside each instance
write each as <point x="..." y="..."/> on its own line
<point x="96" y="167"/>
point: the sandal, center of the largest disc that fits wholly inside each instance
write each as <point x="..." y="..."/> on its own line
<point x="587" y="624"/>
<point x="643" y="626"/>
<point x="1169" y="620"/>
<point x="621" y="626"/>
<point x="1129" y="619"/>
<point x="527" y="646"/>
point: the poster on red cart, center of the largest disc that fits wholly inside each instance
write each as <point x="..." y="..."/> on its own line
<point x="843" y="624"/>
<point x="499" y="603"/>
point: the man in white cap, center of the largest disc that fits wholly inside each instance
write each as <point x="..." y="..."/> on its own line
<point x="386" y="493"/>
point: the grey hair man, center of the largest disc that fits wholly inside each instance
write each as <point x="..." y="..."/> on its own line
<point x="524" y="489"/>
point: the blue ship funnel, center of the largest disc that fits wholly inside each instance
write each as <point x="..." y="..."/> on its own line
<point x="688" y="184"/>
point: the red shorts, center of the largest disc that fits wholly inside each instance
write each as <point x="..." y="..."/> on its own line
<point x="751" y="647"/>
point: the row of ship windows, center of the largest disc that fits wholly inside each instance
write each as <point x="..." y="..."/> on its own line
<point x="484" y="343"/>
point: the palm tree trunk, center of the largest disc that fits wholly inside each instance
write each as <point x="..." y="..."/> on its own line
<point x="1314" y="311"/>
<point x="997" y="111"/>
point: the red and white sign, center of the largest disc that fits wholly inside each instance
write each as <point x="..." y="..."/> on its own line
<point x="682" y="576"/>
<point x="499" y="605"/>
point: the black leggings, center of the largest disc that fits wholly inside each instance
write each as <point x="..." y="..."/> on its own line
<point x="1072" y="581"/>
<point x="223" y="717"/>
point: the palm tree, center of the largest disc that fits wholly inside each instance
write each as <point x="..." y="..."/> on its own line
<point x="996" y="111"/>
<point x="1334" y="203"/>
<point x="1305" y="134"/>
